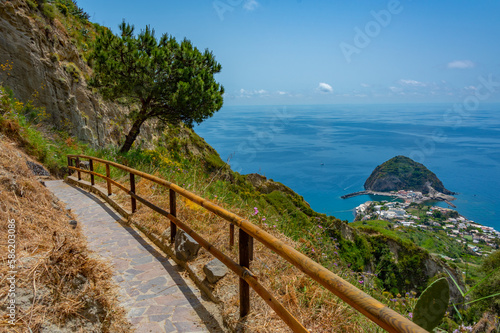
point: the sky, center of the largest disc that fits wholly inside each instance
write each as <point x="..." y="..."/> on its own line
<point x="276" y="52"/>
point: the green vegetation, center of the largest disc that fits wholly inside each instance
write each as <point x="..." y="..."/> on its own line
<point x="363" y="255"/>
<point x="49" y="11"/>
<point x="490" y="272"/>
<point x="434" y="241"/>
<point x="15" y="124"/>
<point x="210" y="177"/>
<point x="67" y="16"/>
<point x="402" y="173"/>
<point x="73" y="70"/>
<point x="432" y="305"/>
<point x="69" y="7"/>
<point x="170" y="82"/>
<point x="184" y="158"/>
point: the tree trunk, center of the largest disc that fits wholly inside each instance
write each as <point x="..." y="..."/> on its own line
<point x="132" y="135"/>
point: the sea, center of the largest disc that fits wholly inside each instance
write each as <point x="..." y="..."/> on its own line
<point x="325" y="151"/>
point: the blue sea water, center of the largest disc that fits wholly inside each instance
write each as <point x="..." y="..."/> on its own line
<point x="325" y="151"/>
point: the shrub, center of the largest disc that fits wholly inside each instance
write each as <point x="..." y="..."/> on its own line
<point x="62" y="8"/>
<point x="31" y="4"/>
<point x="73" y="70"/>
<point x="49" y="11"/>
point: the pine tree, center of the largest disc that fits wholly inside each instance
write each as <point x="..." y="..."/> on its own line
<point x="169" y="81"/>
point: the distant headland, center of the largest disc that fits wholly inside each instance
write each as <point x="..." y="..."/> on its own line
<point x="406" y="179"/>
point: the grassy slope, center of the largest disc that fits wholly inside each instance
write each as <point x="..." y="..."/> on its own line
<point x="435" y="242"/>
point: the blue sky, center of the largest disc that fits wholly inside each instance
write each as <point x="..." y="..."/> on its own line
<point x="327" y="52"/>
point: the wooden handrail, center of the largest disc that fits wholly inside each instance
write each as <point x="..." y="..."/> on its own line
<point x="377" y="312"/>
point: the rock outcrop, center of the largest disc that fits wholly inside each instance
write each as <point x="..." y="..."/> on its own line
<point x="266" y="186"/>
<point x="402" y="173"/>
<point x="47" y="67"/>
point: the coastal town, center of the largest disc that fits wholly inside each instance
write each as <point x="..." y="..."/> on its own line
<point x="412" y="213"/>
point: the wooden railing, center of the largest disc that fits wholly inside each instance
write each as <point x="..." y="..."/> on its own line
<point x="377" y="312"/>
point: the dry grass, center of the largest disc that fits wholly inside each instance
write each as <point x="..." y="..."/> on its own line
<point x="313" y="305"/>
<point x="59" y="282"/>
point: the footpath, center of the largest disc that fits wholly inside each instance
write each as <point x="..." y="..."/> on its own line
<point x="155" y="295"/>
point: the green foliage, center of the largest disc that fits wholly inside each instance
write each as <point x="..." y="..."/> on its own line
<point x="170" y="81"/>
<point x="411" y="175"/>
<point x="437" y="214"/>
<point x="434" y="241"/>
<point x="62" y="8"/>
<point x="214" y="162"/>
<point x="32" y="4"/>
<point x="73" y="70"/>
<point x="432" y="305"/>
<point x="490" y="268"/>
<point x="285" y="207"/>
<point x="54" y="57"/>
<point x="50" y="151"/>
<point x="70" y="7"/>
<point x="49" y="11"/>
<point x="357" y="253"/>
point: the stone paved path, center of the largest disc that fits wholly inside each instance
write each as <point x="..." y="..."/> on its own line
<point x="156" y="297"/>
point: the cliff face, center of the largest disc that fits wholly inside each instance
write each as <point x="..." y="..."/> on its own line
<point x="402" y="173"/>
<point x="428" y="267"/>
<point x="47" y="64"/>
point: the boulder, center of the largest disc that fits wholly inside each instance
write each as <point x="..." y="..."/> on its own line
<point x="37" y="169"/>
<point x="85" y="165"/>
<point x="186" y="248"/>
<point x="215" y="270"/>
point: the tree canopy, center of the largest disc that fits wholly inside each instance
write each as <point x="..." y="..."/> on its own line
<point x="169" y="81"/>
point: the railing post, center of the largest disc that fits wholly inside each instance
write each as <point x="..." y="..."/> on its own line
<point x="70" y="163"/>
<point x="108" y="175"/>
<point x="243" y="241"/>
<point x="250" y="247"/>
<point x="91" y="167"/>
<point x="132" y="189"/>
<point x="173" y="211"/>
<point x="78" y="166"/>
<point x="231" y="235"/>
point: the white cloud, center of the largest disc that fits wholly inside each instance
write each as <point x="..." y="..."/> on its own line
<point x="251" y="5"/>
<point x="461" y="64"/>
<point x="281" y="92"/>
<point x="364" y="85"/>
<point x="412" y="83"/>
<point x="251" y="93"/>
<point x="325" y="87"/>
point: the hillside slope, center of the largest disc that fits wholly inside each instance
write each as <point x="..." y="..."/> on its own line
<point x="181" y="156"/>
<point x="60" y="286"/>
<point x="65" y="37"/>
<point x="43" y="60"/>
